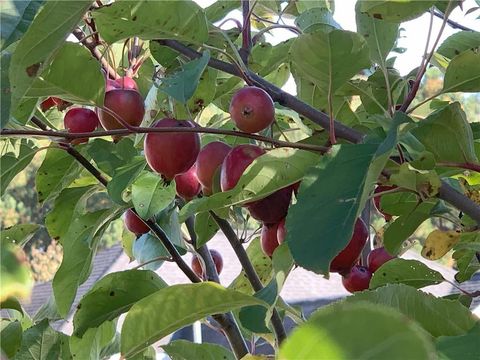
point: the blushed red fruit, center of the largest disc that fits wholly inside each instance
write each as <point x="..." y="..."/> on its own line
<point x="235" y="163"/>
<point x="47" y="104"/>
<point x="273" y="208"/>
<point x="208" y="161"/>
<point x="79" y="120"/>
<point x="217" y="259"/>
<point x="268" y="239"/>
<point x="187" y="184"/>
<point x="377" y="200"/>
<point x="126" y="82"/>
<point x="127" y="104"/>
<point x="345" y="260"/>
<point x="134" y="224"/>
<point x="377" y="257"/>
<point x="252" y="109"/>
<point x="358" y="279"/>
<point x="171" y="153"/>
<point x="281" y="231"/>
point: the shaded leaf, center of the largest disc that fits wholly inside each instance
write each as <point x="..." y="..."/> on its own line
<point x="10" y="337"/>
<point x="462" y="347"/>
<point x="93" y="341"/>
<point x="396" y="11"/>
<point x="186" y="350"/>
<point x="316" y="19"/>
<point x="146" y="248"/>
<point x="18" y="234"/>
<point x="123" y="177"/>
<point x="465" y="255"/>
<point x="11" y="303"/>
<point x="463" y="73"/>
<point x="205" y="228"/>
<point x="458" y="43"/>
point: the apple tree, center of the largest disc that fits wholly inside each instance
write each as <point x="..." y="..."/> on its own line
<point x="176" y="113"/>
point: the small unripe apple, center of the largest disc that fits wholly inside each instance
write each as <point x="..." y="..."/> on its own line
<point x="79" y="120"/>
<point x="273" y="208"/>
<point x="348" y="257"/>
<point x="134" y="224"/>
<point x="209" y="159"/>
<point x="235" y="163"/>
<point x="377" y="257"/>
<point x="358" y="279"/>
<point x="126" y="104"/>
<point x="268" y="239"/>
<point x="217" y="259"/>
<point x="170" y="154"/>
<point x="252" y="109"/>
<point x="281" y="231"/>
<point x="377" y="200"/>
<point x="187" y="184"/>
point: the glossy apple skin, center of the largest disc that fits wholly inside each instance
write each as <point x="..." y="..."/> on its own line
<point x="281" y="231"/>
<point x="209" y="159"/>
<point x="273" y="208"/>
<point x="358" y="279"/>
<point x="78" y="120"/>
<point x="127" y="104"/>
<point x="134" y="224"/>
<point x="252" y="109"/>
<point x="268" y="239"/>
<point x="187" y="184"/>
<point x="348" y="257"/>
<point x="377" y="257"/>
<point x="121" y="83"/>
<point x="217" y="259"/>
<point x="170" y="154"/>
<point x="377" y="199"/>
<point x="235" y="163"/>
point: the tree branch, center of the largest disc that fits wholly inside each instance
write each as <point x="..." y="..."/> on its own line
<point x="250" y="272"/>
<point x="246" y="32"/>
<point x="452" y="23"/>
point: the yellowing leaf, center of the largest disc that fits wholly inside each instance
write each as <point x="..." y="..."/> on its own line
<point x="438" y="243"/>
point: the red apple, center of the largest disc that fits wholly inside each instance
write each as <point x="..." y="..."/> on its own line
<point x="134" y="224"/>
<point x="252" y="109"/>
<point x="217" y="259"/>
<point x="127" y="104"/>
<point x="126" y="83"/>
<point x="273" y="208"/>
<point x="268" y="239"/>
<point x="208" y="161"/>
<point x="377" y="200"/>
<point x="377" y="258"/>
<point x="235" y="163"/>
<point x="78" y="120"/>
<point x="358" y="279"/>
<point x="348" y="257"/>
<point x="281" y="231"/>
<point x="187" y="184"/>
<point x="173" y="153"/>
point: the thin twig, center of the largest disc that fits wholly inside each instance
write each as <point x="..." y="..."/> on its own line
<point x="452" y="23"/>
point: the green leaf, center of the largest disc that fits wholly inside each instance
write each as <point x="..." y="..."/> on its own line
<point x="113" y="295"/>
<point x="123" y="177"/>
<point x="458" y="43"/>
<point x="219" y="9"/>
<point x="447" y="134"/>
<point x="18" y="234"/>
<point x="146" y="248"/>
<point x="41" y="342"/>
<point x="182" y="20"/>
<point x="465" y="255"/>
<point x="408" y="272"/>
<point x="421" y="307"/>
<point x="150" y="194"/>
<point x="58" y="170"/>
<point x="181" y="85"/>
<point x="93" y="341"/>
<point x="186" y="350"/>
<point x="62" y="78"/>
<point x="332" y="333"/>
<point x="463" y="73"/>
<point x="15" y="18"/>
<point x="405" y="225"/>
<point x="144" y="324"/>
<point x="15" y="273"/>
<point x="109" y="156"/>
<point x="15" y="161"/>
<point x="462" y="347"/>
<point x="10" y="337"/>
<point x="46" y="34"/>
<point x="396" y="11"/>
<point x="205" y="228"/>
<point x="11" y="303"/>
<point x="316" y="19"/>
<point x="381" y="36"/>
<point x="343" y="55"/>
<point x="274" y="170"/>
<point x="5" y="89"/>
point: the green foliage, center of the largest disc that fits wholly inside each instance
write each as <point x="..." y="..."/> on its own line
<point x="184" y="350"/>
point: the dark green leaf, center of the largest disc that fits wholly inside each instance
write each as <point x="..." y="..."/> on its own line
<point x="144" y="324"/>
<point x="109" y="156"/>
<point x="408" y="272"/>
<point x="422" y="307"/>
<point x="18" y="234"/>
<point x="113" y="295"/>
<point x="150" y="194"/>
<point x="10" y="337"/>
<point x="458" y="43"/>
<point x="186" y="350"/>
<point x="332" y="333"/>
<point x="463" y="73"/>
<point x="5" y="89"/>
<point x="205" y="228"/>
<point x="182" y="20"/>
<point x="11" y="303"/>
<point x="146" y="248"/>
<point x="89" y="346"/>
<point x="123" y="177"/>
<point x="396" y="11"/>
<point x="465" y="255"/>
<point x="316" y="19"/>
<point x="462" y="347"/>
